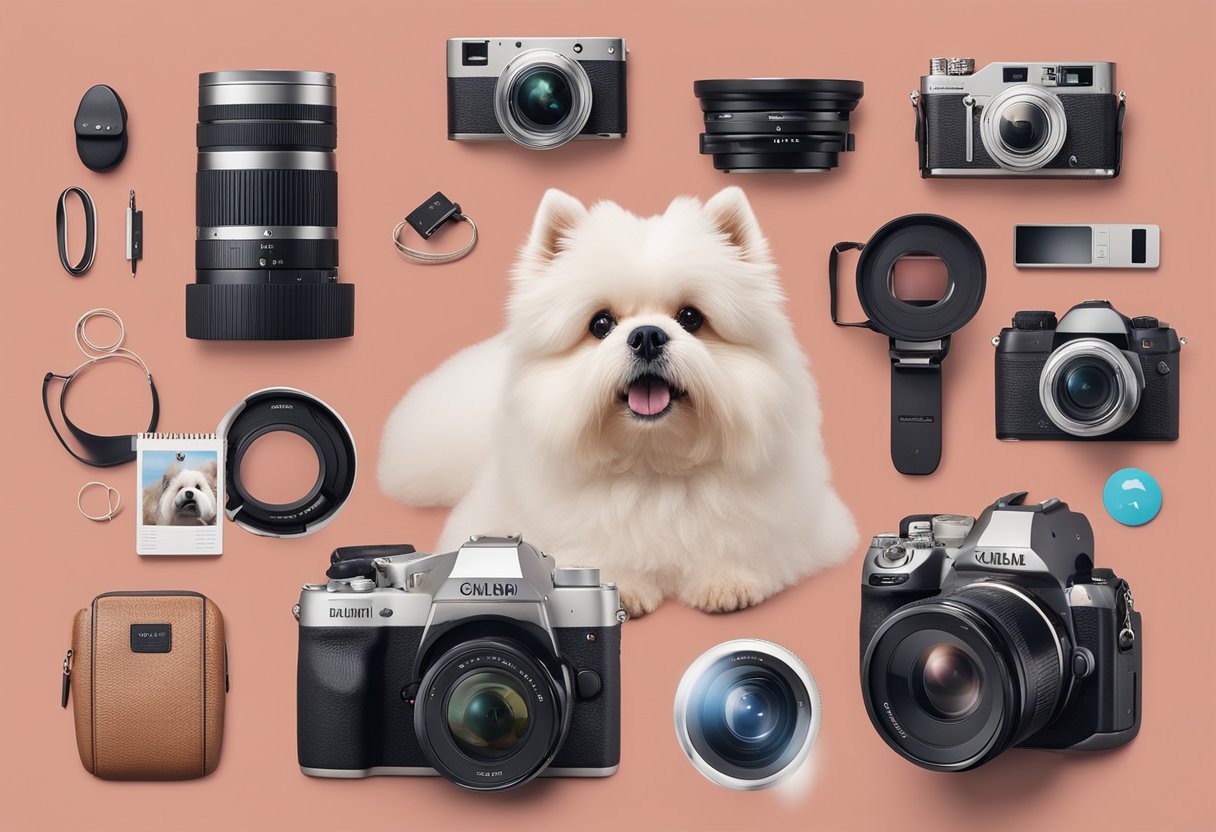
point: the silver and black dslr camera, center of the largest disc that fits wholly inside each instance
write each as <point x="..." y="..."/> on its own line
<point x="979" y="635"/>
<point x="538" y="92"/>
<point x="1095" y="374"/>
<point x="1019" y="119"/>
<point x="489" y="665"/>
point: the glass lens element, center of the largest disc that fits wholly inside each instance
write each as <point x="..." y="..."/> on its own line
<point x="1023" y="127"/>
<point x="947" y="682"/>
<point x="750" y="713"/>
<point x="543" y="97"/>
<point x="487" y="714"/>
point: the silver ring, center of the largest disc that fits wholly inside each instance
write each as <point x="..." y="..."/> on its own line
<point x="704" y="662"/>
<point x="267" y="160"/>
<point x="1127" y="380"/>
<point x="580" y="109"/>
<point x="990" y="135"/>
<point x="266" y="232"/>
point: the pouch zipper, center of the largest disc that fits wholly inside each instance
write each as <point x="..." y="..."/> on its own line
<point x="67" y="678"/>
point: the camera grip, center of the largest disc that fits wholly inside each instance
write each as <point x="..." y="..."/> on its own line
<point x="337" y="703"/>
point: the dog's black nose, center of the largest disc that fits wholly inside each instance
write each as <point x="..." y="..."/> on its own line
<point x="647" y="342"/>
<point x="188" y="494"/>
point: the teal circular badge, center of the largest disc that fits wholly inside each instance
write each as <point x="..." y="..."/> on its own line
<point x="1132" y="496"/>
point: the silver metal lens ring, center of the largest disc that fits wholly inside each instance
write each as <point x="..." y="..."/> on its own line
<point x="1043" y="104"/>
<point x="266" y="160"/>
<point x="755" y="747"/>
<point x="1123" y="401"/>
<point x="262" y="86"/>
<point x="524" y="131"/>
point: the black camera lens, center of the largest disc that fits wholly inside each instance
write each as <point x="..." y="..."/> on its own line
<point x="777" y="124"/>
<point x="1087" y="389"/>
<point x="947" y="681"/>
<point x="543" y="98"/>
<point x="490" y="714"/>
<point x="266" y="210"/>
<point x="747" y="713"/>
<point x="487" y="714"/>
<point x="1023" y="127"/>
<point x="951" y="683"/>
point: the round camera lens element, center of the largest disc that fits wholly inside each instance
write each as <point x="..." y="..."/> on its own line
<point x="543" y="97"/>
<point x="747" y="714"/>
<point x="1132" y="496"/>
<point x="947" y="681"/>
<point x="1023" y="127"/>
<point x="1088" y="385"/>
<point x="487" y="713"/>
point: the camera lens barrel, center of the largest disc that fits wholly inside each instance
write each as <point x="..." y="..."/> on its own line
<point x="991" y="636"/>
<point x="266" y="210"/>
<point x="777" y="124"/>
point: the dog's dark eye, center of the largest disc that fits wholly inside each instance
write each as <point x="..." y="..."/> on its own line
<point x="690" y="318"/>
<point x="602" y="323"/>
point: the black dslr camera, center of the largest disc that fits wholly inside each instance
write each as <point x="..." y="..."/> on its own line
<point x="978" y="635"/>
<point x="1019" y="119"/>
<point x="1096" y="374"/>
<point x="489" y="666"/>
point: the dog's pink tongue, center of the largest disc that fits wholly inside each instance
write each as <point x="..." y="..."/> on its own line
<point x="649" y="397"/>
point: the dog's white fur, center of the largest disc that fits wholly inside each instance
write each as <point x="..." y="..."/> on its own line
<point x="721" y="502"/>
<point x="163" y="500"/>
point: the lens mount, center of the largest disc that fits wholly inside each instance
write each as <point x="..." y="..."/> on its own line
<point x="747" y="713"/>
<point x="1082" y="417"/>
<point x="490" y="716"/>
<point x="1023" y="128"/>
<point x="950" y="683"/>
<point x="285" y="409"/>
<point x="515" y="118"/>
<point x="796" y="125"/>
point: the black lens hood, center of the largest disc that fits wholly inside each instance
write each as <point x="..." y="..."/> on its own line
<point x="921" y="234"/>
<point x="284" y="409"/>
<point x="778" y="94"/>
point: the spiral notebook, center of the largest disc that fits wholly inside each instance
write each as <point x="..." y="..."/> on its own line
<point x="181" y="487"/>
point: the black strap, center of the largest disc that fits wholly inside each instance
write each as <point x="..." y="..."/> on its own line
<point x="103" y="451"/>
<point x="833" y="256"/>
<point x="90" y="231"/>
<point x="922" y="144"/>
<point x="916" y="417"/>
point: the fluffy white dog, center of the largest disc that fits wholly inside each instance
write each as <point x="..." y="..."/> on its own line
<point x="183" y="497"/>
<point x="647" y="410"/>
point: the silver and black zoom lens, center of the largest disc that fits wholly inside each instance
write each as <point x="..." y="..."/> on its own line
<point x="266" y="210"/>
<point x="950" y="683"/>
<point x="1089" y="387"/>
<point x="777" y="124"/>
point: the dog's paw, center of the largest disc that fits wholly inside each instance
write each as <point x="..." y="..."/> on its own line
<point x="725" y="596"/>
<point x="639" y="597"/>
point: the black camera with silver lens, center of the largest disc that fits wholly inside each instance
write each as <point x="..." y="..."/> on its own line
<point x="1094" y="374"/>
<point x="266" y="210"/>
<point x="538" y="92"/>
<point x="982" y="634"/>
<point x="1019" y="119"/>
<point x="490" y="665"/>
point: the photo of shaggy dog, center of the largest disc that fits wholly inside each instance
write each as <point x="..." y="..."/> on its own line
<point x="647" y="410"/>
<point x="183" y="497"/>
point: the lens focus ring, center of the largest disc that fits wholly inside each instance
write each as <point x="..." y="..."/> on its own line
<point x="1038" y="654"/>
<point x="279" y="134"/>
<point x="266" y="197"/>
<point x="283" y="112"/>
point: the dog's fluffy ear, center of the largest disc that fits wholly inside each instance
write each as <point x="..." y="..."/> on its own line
<point x="209" y="471"/>
<point x="170" y="472"/>
<point x="732" y="216"/>
<point x="558" y="215"/>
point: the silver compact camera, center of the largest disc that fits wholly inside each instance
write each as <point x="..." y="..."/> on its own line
<point x="490" y="665"/>
<point x="538" y="92"/>
<point x="1019" y="119"/>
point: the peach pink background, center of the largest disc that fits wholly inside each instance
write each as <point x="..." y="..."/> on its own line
<point x="389" y="59"/>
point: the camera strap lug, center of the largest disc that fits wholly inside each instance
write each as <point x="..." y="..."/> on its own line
<point x="969" y="103"/>
<point x="1119" y="131"/>
<point x="920" y="127"/>
<point x="1127" y="635"/>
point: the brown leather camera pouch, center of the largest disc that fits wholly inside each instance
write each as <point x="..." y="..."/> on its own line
<point x="148" y="673"/>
